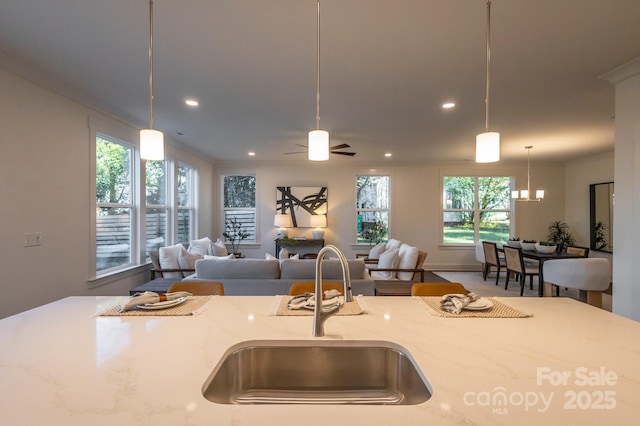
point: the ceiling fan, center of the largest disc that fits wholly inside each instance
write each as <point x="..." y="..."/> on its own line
<point x="332" y="150"/>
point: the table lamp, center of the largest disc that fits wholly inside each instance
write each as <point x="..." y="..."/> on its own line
<point x="319" y="221"/>
<point x="282" y="221"/>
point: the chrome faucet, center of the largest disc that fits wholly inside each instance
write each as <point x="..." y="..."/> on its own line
<point x="319" y="317"/>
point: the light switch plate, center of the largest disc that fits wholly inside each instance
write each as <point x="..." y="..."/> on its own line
<point x="32" y="239"/>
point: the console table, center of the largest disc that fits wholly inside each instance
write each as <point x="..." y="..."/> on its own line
<point x="300" y="247"/>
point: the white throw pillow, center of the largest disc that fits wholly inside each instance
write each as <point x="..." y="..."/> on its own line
<point x="228" y="256"/>
<point x="219" y="249"/>
<point x="270" y="257"/>
<point x="295" y="256"/>
<point x="408" y="259"/>
<point x="169" y="260"/>
<point x="201" y="246"/>
<point x="188" y="261"/>
<point x="388" y="259"/>
<point x="377" y="250"/>
<point x="393" y="244"/>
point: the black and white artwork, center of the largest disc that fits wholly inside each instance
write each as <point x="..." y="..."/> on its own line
<point x="301" y="202"/>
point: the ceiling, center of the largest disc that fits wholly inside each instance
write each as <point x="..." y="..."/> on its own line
<point x="386" y="69"/>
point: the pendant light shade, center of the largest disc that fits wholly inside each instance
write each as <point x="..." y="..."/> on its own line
<point x="318" y="139"/>
<point x="488" y="143"/>
<point x="318" y="145"/>
<point x="151" y="144"/>
<point x="488" y="147"/>
<point x="151" y="141"/>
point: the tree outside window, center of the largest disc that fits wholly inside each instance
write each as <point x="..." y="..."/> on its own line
<point x="372" y="208"/>
<point x="476" y="208"/>
<point x="239" y="203"/>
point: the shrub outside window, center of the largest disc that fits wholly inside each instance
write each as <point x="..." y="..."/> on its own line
<point x="476" y="208"/>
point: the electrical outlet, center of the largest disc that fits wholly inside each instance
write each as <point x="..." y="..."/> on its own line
<point x="32" y="239"/>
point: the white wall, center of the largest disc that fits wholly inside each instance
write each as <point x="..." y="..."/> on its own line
<point x="416" y="203"/>
<point x="44" y="181"/>
<point x="626" y="232"/>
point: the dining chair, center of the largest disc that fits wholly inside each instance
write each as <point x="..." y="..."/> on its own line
<point x="579" y="251"/>
<point x="491" y="258"/>
<point x="198" y="288"/>
<point x="302" y="287"/>
<point x="591" y="276"/>
<point x="437" y="289"/>
<point x="515" y="264"/>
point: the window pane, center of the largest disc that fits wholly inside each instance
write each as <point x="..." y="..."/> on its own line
<point x="458" y="228"/>
<point x="113" y="172"/>
<point x="458" y="192"/>
<point x="372" y="192"/>
<point x="246" y="218"/>
<point x="494" y="226"/>
<point x="156" y="235"/>
<point x="239" y="191"/>
<point x="156" y="183"/>
<point x="494" y="193"/>
<point x="185" y="221"/>
<point x="113" y="237"/>
<point x="185" y="185"/>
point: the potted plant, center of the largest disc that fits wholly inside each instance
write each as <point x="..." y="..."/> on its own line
<point x="374" y="232"/>
<point x="560" y="235"/>
<point x="234" y="234"/>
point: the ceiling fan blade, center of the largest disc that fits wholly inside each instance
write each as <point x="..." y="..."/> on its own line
<point x="304" y="146"/>
<point x="342" y="145"/>
<point x="350" y="154"/>
<point x="295" y="152"/>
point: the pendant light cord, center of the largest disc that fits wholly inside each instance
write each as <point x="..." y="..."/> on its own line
<point x="318" y="73"/>
<point x="486" y="117"/>
<point x="151" y="64"/>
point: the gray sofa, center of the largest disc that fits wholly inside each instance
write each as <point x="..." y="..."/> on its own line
<point x="262" y="277"/>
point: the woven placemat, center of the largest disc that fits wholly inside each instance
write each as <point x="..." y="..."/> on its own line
<point x="499" y="309"/>
<point x="279" y="308"/>
<point x="192" y="306"/>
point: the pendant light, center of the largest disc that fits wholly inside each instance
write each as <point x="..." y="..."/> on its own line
<point x="488" y="143"/>
<point x="318" y="139"/>
<point x="523" y="195"/>
<point x="151" y="140"/>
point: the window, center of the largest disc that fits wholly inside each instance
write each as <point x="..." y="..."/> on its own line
<point x="157" y="205"/>
<point x="239" y="201"/>
<point x="476" y="208"/>
<point x="186" y="203"/>
<point x="372" y="208"/>
<point x="115" y="208"/>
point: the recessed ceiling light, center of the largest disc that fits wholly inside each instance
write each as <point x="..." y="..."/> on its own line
<point x="448" y="105"/>
<point x="251" y="153"/>
<point x="191" y="102"/>
<point x="387" y="154"/>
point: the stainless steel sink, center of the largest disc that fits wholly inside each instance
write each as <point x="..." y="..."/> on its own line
<point x="317" y="372"/>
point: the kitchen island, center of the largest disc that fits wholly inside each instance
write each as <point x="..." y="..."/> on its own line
<point x="569" y="363"/>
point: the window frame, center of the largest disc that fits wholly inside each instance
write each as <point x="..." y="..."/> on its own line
<point x="476" y="207"/>
<point x="191" y="206"/>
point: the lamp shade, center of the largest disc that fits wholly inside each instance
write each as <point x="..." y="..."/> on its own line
<point x="318" y="145"/>
<point x="282" y="221"/>
<point x="488" y="147"/>
<point x="151" y="144"/>
<point x="318" y="220"/>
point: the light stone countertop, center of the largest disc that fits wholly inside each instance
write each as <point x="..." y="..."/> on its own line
<point x="62" y="365"/>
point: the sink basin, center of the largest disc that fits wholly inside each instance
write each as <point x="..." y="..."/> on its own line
<point x="317" y="372"/>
